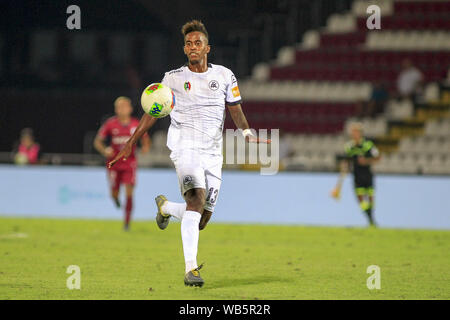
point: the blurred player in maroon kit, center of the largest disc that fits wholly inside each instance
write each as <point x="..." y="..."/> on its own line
<point x="119" y="129"/>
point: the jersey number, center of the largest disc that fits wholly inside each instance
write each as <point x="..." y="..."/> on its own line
<point x="212" y="195"/>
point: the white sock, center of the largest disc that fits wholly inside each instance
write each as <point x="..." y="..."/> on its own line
<point x="175" y="209"/>
<point x="189" y="236"/>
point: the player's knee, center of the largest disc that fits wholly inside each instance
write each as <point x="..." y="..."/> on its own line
<point x="129" y="190"/>
<point x="195" y="200"/>
<point x="114" y="193"/>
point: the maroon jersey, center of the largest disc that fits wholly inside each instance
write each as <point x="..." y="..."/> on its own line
<point x="119" y="135"/>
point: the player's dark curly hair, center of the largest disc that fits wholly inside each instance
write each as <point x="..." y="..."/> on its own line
<point x="194" y="25"/>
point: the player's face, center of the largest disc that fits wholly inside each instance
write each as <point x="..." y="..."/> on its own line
<point x="26" y="140"/>
<point x="123" y="108"/>
<point x="196" y="47"/>
<point x="356" y="134"/>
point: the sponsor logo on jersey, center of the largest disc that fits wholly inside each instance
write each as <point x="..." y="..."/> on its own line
<point x="120" y="140"/>
<point x="187" y="86"/>
<point x="213" y="85"/>
<point x="235" y="92"/>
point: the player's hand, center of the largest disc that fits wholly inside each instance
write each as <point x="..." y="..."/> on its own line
<point x="363" y="161"/>
<point x="336" y="193"/>
<point x="108" y="152"/>
<point x="124" y="153"/>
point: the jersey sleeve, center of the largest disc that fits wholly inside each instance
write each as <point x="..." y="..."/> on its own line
<point x="370" y="149"/>
<point x="233" y="95"/>
<point x="348" y="150"/>
<point x="104" y="131"/>
<point x="166" y="80"/>
<point x="374" y="152"/>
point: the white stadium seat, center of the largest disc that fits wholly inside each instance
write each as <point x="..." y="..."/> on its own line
<point x="408" y="40"/>
<point x="431" y="93"/>
<point x="261" y="72"/>
<point x="311" y="40"/>
<point x="286" y="56"/>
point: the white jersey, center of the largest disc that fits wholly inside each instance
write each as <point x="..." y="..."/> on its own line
<point x="199" y="113"/>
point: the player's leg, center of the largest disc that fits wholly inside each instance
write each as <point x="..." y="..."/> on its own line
<point x="364" y="202"/>
<point x="213" y="182"/>
<point x="115" y="196"/>
<point x="114" y="183"/>
<point x="128" y="178"/>
<point x="371" y="196"/>
<point x="195" y="200"/>
<point x="193" y="184"/>
<point x="170" y="208"/>
<point x="167" y="209"/>
<point x="206" y="202"/>
<point x="206" y="216"/>
<point x="177" y="209"/>
<point x="369" y="193"/>
<point x="129" y="189"/>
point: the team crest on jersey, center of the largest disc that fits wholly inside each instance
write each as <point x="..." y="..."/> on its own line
<point x="213" y="85"/>
<point x="187" y="180"/>
<point x="187" y="86"/>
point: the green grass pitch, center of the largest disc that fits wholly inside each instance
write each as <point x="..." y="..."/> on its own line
<point x="242" y="261"/>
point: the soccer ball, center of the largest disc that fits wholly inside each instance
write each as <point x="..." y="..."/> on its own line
<point x="157" y="100"/>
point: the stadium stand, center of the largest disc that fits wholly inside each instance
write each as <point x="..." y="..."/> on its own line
<point x="315" y="88"/>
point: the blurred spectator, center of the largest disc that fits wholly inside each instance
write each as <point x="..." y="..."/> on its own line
<point x="376" y="103"/>
<point x="28" y="150"/>
<point x="409" y="81"/>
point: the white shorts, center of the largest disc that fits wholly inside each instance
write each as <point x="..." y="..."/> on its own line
<point x="199" y="170"/>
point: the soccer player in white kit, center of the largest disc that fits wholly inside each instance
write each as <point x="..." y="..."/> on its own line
<point x="202" y="91"/>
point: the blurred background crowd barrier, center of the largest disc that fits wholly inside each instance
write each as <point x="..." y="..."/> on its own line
<point x="295" y="198"/>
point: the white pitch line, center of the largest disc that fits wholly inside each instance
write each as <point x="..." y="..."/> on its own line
<point x="14" y="236"/>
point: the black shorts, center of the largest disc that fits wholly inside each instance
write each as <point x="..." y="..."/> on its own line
<point x="363" y="181"/>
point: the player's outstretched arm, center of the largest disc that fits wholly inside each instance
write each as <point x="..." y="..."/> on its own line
<point x="343" y="170"/>
<point x="241" y="123"/>
<point x="146" y="123"/>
